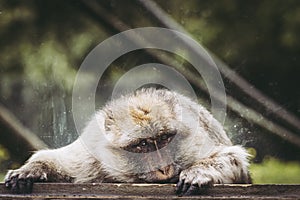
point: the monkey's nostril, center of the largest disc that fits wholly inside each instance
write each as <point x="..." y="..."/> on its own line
<point x="161" y="171"/>
<point x="165" y="170"/>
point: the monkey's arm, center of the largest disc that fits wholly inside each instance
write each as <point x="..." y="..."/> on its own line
<point x="228" y="165"/>
<point x="71" y="163"/>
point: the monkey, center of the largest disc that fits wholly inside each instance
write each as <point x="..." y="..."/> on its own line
<point x="147" y="136"/>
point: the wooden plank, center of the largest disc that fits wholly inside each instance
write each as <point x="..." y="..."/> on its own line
<point x="152" y="191"/>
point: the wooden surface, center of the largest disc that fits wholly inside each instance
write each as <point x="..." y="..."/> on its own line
<point x="151" y="191"/>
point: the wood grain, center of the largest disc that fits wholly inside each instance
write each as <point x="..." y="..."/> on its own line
<point x="151" y="191"/>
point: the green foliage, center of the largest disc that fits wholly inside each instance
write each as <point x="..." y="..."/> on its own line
<point x="272" y="171"/>
<point x="2" y="177"/>
<point x="4" y="155"/>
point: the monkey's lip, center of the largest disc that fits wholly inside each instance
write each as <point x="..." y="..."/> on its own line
<point x="160" y="175"/>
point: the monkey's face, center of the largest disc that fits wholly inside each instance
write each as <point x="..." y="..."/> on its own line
<point x="143" y="131"/>
<point x="154" y="158"/>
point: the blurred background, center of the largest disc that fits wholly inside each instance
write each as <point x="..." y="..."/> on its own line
<point x="255" y="45"/>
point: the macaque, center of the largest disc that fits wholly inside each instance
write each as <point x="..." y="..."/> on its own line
<point x="148" y="136"/>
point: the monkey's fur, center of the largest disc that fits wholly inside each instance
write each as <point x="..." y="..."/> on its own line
<point x="152" y="135"/>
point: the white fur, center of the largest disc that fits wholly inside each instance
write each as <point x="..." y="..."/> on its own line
<point x="202" y="144"/>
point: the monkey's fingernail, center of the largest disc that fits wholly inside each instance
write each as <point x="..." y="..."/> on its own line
<point x="7" y="184"/>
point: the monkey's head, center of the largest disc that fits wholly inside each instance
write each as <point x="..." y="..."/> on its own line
<point x="143" y="130"/>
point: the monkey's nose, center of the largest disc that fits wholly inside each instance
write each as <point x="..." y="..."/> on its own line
<point x="166" y="172"/>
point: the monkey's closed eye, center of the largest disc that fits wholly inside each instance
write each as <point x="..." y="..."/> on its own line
<point x="140" y="146"/>
<point x="150" y="144"/>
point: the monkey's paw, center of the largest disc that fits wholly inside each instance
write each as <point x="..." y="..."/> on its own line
<point x="192" y="180"/>
<point x="20" y="181"/>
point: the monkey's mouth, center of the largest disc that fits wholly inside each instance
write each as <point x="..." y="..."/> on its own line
<point x="161" y="175"/>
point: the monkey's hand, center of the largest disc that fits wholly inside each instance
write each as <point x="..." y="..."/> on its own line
<point x="229" y="165"/>
<point x="21" y="180"/>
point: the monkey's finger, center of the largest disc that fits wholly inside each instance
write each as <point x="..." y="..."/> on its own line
<point x="10" y="180"/>
<point x="186" y="186"/>
<point x="29" y="185"/>
<point x="21" y="186"/>
<point x="193" y="189"/>
<point x="179" y="186"/>
<point x="14" y="185"/>
<point x="8" y="183"/>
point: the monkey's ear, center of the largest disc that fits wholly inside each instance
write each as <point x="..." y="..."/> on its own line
<point x="105" y="120"/>
<point x="108" y="119"/>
